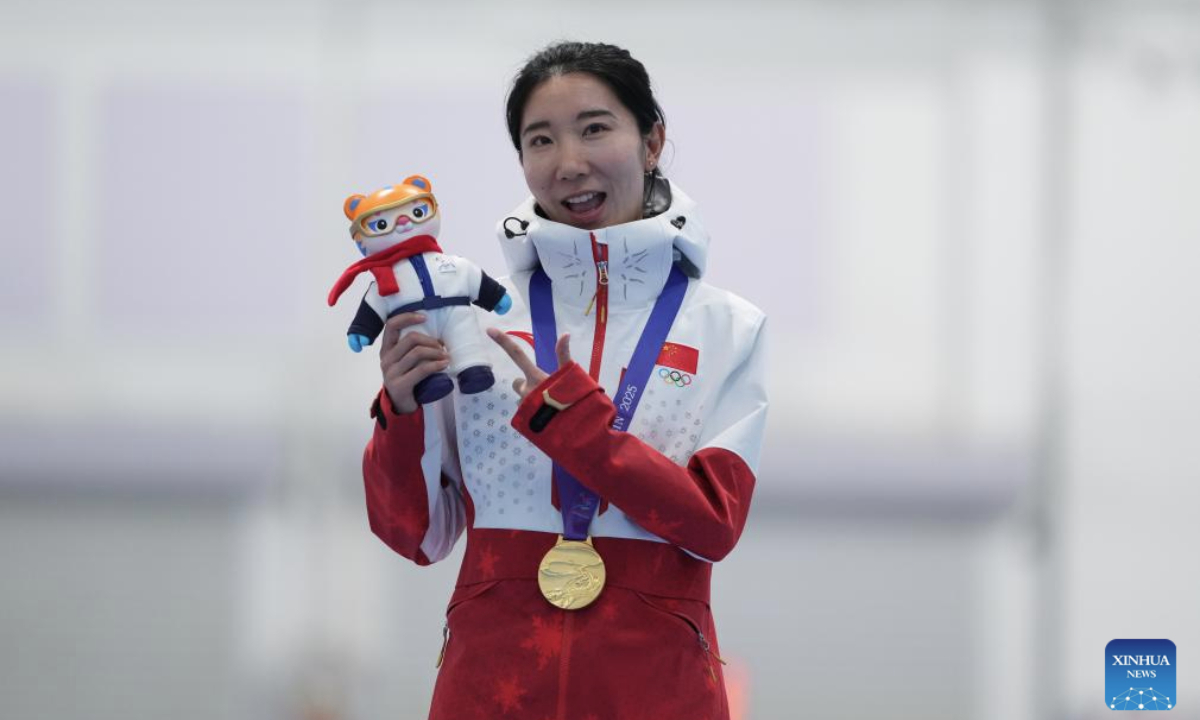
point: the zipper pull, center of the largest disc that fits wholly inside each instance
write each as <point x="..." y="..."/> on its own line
<point x="602" y="270"/>
<point x="708" y="651"/>
<point x="591" y="302"/>
<point x="445" y="641"/>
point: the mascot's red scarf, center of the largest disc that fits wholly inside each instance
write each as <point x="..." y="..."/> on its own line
<point x="380" y="264"/>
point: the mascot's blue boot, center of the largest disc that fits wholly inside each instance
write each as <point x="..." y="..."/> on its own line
<point x="475" y="379"/>
<point x="433" y="388"/>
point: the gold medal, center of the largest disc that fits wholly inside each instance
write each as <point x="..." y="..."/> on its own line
<point x="571" y="575"/>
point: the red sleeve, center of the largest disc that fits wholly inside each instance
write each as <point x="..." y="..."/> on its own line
<point x="396" y="485"/>
<point x="701" y="508"/>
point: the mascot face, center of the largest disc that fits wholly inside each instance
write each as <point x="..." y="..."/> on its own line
<point x="392" y="215"/>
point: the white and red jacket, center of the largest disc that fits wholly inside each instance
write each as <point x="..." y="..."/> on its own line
<point x="676" y="487"/>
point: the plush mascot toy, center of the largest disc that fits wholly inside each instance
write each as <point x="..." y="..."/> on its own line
<point x="396" y="229"/>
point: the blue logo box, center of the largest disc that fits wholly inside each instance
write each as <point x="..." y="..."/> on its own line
<point x="1139" y="675"/>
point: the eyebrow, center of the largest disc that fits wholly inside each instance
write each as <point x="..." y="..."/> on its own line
<point x="585" y="115"/>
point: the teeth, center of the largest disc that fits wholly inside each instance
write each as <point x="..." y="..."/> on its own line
<point x="580" y="198"/>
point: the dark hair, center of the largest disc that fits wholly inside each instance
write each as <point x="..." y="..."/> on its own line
<point x="613" y="66"/>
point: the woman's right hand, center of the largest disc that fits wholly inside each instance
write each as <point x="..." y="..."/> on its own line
<point x="407" y="360"/>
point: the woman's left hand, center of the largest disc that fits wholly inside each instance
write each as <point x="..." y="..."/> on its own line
<point x="533" y="374"/>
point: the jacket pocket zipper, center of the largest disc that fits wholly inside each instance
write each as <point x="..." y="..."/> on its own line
<point x="700" y="638"/>
<point x="708" y="650"/>
<point x="445" y="642"/>
<point x="480" y="589"/>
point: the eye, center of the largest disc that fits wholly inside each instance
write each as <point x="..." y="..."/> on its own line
<point x="379" y="225"/>
<point x="594" y="128"/>
<point x="538" y="140"/>
<point x="420" y="212"/>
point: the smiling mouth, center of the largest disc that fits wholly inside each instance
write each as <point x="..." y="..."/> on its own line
<point x="584" y="202"/>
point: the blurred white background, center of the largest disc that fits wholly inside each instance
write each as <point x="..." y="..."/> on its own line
<point x="972" y="224"/>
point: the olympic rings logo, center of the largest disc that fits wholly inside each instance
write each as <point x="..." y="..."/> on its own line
<point x="674" y="377"/>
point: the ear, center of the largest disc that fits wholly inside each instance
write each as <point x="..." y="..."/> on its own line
<point x="352" y="203"/>
<point x="655" y="140"/>
<point x="419" y="182"/>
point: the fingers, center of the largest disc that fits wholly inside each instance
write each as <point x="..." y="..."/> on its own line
<point x="389" y="355"/>
<point x="416" y="356"/>
<point x="404" y="380"/>
<point x="406" y="358"/>
<point x="393" y="326"/>
<point x="562" y="349"/>
<point x="400" y="383"/>
<point x="515" y="352"/>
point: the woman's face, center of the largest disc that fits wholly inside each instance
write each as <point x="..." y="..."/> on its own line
<point x="583" y="155"/>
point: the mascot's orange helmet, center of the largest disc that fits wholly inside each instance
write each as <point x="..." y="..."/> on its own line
<point x="361" y="206"/>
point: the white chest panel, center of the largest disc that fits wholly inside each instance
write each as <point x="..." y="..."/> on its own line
<point x="509" y="479"/>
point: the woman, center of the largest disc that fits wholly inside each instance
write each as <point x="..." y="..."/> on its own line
<point x="592" y="525"/>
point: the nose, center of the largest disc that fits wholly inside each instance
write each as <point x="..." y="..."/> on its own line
<point x="572" y="161"/>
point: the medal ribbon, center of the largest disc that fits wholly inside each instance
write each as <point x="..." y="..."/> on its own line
<point x="578" y="504"/>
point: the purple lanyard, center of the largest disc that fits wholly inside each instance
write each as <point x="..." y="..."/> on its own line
<point x="579" y="504"/>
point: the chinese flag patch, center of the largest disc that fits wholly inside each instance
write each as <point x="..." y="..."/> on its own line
<point x="680" y="357"/>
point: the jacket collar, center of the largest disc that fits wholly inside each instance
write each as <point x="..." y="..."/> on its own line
<point x="640" y="253"/>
